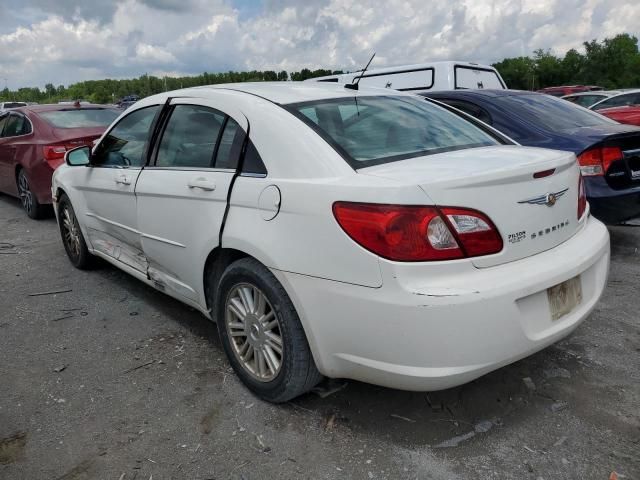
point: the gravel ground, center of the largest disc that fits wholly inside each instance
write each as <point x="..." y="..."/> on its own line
<point x="114" y="380"/>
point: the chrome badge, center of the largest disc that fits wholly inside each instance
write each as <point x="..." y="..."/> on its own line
<point x="548" y="199"/>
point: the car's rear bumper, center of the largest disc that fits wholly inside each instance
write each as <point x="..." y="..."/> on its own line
<point x="609" y="205"/>
<point x="404" y="335"/>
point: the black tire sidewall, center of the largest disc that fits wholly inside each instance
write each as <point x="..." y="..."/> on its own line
<point x="296" y="351"/>
<point x="82" y="261"/>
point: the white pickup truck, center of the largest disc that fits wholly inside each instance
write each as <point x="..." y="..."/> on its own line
<point x="424" y="76"/>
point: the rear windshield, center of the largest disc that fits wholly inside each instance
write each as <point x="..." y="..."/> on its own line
<point x="380" y="129"/>
<point x="79" y="118"/>
<point x="551" y="112"/>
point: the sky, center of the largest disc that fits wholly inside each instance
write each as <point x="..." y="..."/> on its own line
<point x="65" y="41"/>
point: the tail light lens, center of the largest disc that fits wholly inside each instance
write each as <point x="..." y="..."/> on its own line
<point x="54" y="154"/>
<point x="418" y="234"/>
<point x="596" y="161"/>
<point x="582" y="198"/>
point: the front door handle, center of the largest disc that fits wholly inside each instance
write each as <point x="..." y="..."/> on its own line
<point x="123" y="179"/>
<point x="202" y="183"/>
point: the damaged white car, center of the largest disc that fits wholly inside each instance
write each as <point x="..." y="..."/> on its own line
<point x="365" y="234"/>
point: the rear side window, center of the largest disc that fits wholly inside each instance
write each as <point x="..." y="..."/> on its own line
<point x="230" y="145"/>
<point x="78" y="118"/>
<point x="253" y="163"/>
<point x="126" y="144"/>
<point x="420" y="79"/>
<point x="380" y="129"/>
<point x="16" y="125"/>
<point x="585" y="100"/>
<point x="3" y="121"/>
<point x="620" y="101"/>
<point x="469" y="77"/>
<point x="190" y="137"/>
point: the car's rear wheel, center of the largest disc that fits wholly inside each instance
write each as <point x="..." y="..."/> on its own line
<point x="72" y="237"/>
<point x="29" y="201"/>
<point x="262" y="334"/>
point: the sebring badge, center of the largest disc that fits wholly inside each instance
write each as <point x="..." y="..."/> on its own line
<point x="548" y="199"/>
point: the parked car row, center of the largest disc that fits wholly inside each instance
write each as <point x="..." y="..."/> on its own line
<point x="332" y="229"/>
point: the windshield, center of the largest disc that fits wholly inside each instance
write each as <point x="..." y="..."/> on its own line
<point x="551" y="112"/>
<point x="80" y="118"/>
<point x="380" y="129"/>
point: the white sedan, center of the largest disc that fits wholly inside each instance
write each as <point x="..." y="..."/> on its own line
<point x="365" y="234"/>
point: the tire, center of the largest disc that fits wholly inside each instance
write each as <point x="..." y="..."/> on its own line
<point x="275" y="317"/>
<point x="72" y="237"/>
<point x="29" y="201"/>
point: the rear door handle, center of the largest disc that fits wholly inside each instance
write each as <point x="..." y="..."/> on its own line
<point x="202" y="183"/>
<point x="123" y="179"/>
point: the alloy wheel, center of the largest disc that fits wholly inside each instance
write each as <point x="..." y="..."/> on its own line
<point x="254" y="331"/>
<point x="70" y="231"/>
<point x="26" y="197"/>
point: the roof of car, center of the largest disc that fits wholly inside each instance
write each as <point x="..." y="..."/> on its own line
<point x="592" y="92"/>
<point x="481" y="92"/>
<point x="56" y="107"/>
<point x="284" y="92"/>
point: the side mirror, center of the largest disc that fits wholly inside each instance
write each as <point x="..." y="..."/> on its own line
<point x="78" y="157"/>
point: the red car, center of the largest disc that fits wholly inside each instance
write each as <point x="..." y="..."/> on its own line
<point x="629" y="114"/>
<point x="33" y="141"/>
<point x="569" y="89"/>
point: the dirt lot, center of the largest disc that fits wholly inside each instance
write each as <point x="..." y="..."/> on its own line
<point x="113" y="380"/>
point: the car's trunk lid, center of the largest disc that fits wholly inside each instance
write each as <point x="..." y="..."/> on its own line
<point x="531" y="214"/>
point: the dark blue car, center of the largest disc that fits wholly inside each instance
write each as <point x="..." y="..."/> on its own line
<point x="608" y="152"/>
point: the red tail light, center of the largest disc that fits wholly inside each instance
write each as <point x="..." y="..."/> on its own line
<point x="418" y="234"/>
<point x="54" y="155"/>
<point x="582" y="198"/>
<point x="596" y="161"/>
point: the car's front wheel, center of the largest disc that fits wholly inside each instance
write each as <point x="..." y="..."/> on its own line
<point x="29" y="201"/>
<point x="262" y="334"/>
<point x="72" y="237"/>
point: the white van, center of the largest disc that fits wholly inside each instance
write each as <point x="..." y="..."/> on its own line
<point x="425" y="76"/>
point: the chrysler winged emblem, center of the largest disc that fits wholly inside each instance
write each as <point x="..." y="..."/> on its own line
<point x="548" y="199"/>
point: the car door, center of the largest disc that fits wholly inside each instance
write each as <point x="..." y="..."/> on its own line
<point x="107" y="187"/>
<point x="182" y="197"/>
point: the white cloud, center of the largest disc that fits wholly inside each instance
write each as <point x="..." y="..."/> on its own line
<point x="70" y="41"/>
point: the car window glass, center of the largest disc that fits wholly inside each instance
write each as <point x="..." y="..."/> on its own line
<point x="383" y="129"/>
<point x="190" y="137"/>
<point x="587" y="100"/>
<point x="80" y="118"/>
<point x="125" y="145"/>
<point x="617" y="101"/>
<point x="471" y="109"/>
<point x="3" y="121"/>
<point x="550" y="113"/>
<point x="252" y="161"/>
<point x="16" y="126"/>
<point x="230" y="145"/>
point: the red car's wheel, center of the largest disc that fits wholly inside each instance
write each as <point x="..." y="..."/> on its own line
<point x="29" y="201"/>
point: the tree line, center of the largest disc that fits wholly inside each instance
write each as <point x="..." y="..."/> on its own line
<point x="610" y="63"/>
<point x="110" y="90"/>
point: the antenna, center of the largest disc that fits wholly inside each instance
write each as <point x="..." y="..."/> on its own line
<point x="354" y="86"/>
